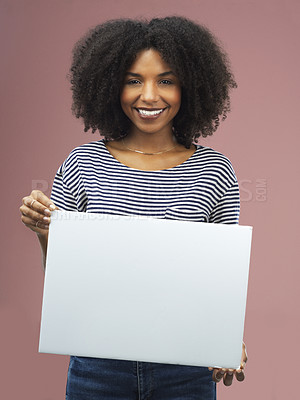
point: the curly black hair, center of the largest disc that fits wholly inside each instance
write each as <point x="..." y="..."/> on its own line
<point x="103" y="56"/>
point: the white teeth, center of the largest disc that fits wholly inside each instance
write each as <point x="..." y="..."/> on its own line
<point x="155" y="112"/>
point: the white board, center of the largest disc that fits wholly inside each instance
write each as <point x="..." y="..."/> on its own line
<point x="145" y="289"/>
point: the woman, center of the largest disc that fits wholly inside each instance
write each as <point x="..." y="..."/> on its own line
<point x="151" y="89"/>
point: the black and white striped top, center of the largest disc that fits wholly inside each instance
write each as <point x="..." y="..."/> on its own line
<point x="203" y="188"/>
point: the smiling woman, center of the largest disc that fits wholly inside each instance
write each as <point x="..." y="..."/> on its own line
<point x="151" y="89"/>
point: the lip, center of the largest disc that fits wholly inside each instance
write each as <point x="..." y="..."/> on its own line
<point x="149" y="109"/>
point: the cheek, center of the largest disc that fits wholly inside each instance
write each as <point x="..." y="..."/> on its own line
<point x="177" y="98"/>
<point x="124" y="100"/>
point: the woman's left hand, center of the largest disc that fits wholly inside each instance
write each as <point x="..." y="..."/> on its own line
<point x="227" y="373"/>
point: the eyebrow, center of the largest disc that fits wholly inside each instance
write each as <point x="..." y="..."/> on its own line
<point x="162" y="74"/>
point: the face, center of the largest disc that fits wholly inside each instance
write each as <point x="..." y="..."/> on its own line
<point x="151" y="94"/>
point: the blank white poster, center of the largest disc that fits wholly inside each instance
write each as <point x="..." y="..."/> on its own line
<point x="145" y="289"/>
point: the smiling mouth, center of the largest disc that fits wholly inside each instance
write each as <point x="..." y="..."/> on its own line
<point x="149" y="112"/>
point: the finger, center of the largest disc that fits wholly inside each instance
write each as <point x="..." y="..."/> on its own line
<point x="244" y="356"/>
<point x="240" y="375"/>
<point x="218" y="374"/>
<point x="33" y="204"/>
<point x="243" y="365"/>
<point x="43" y="199"/>
<point x="228" y="377"/>
<point x="36" y="226"/>
<point x="34" y="215"/>
<point x="39" y="202"/>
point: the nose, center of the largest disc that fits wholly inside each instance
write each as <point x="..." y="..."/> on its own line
<point x="149" y="92"/>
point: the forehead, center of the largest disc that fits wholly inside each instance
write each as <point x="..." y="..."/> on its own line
<point x="149" y="60"/>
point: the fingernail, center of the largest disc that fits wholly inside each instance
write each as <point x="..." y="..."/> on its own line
<point x="46" y="219"/>
<point x="47" y="212"/>
<point x="52" y="207"/>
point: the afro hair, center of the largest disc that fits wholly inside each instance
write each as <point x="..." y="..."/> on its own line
<point x="103" y="56"/>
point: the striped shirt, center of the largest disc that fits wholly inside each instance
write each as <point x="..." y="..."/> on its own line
<point x="203" y="188"/>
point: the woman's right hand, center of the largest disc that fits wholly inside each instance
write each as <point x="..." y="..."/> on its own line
<point x="36" y="211"/>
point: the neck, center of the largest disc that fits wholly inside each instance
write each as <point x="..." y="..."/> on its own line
<point x="150" y="142"/>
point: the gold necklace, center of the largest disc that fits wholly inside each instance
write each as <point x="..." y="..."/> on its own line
<point x="148" y="154"/>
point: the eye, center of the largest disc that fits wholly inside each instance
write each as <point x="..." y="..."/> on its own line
<point x="166" y="82"/>
<point x="133" y="82"/>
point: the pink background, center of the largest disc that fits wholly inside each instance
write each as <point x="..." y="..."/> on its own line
<point x="260" y="137"/>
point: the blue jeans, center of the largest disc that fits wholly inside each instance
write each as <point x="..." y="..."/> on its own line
<point x="105" y="379"/>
